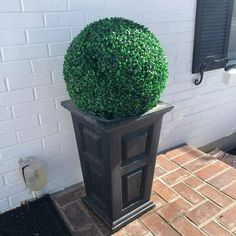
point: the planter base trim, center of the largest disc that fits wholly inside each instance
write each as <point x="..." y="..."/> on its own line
<point x="122" y="221"/>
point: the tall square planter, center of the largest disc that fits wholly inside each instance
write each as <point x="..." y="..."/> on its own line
<point x="118" y="160"/>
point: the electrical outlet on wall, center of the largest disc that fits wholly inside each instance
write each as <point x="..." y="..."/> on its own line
<point x="33" y="174"/>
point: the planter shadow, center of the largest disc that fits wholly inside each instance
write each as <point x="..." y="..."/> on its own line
<point x="118" y="161"/>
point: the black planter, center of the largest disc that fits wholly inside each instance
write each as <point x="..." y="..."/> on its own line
<point x="118" y="160"/>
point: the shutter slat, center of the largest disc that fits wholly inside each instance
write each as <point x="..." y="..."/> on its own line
<point x="213" y="20"/>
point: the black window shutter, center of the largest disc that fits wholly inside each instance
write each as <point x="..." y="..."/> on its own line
<point x="212" y="29"/>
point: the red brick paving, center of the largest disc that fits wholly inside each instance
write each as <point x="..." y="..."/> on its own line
<point x="175" y="176"/>
<point x="188" y="193"/>
<point x="137" y="228"/>
<point x="164" y="191"/>
<point x="203" y="212"/>
<point x="228" y="218"/>
<point x="211" y="170"/>
<point x="214" y="229"/>
<point x="179" y="151"/>
<point x="199" y="163"/>
<point x="158" y="226"/>
<point x="193" y="182"/>
<point x="195" y="195"/>
<point x="166" y="163"/>
<point x="223" y="179"/>
<point x="230" y="190"/>
<point x="159" y="202"/>
<point x="159" y="172"/>
<point x="215" y="196"/>
<point x="185" y="228"/>
<point x="187" y="157"/>
<point x="174" y="209"/>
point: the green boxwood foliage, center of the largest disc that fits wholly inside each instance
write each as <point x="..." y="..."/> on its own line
<point x="115" y="68"/>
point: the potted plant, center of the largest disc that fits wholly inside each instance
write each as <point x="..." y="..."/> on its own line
<point x="115" y="71"/>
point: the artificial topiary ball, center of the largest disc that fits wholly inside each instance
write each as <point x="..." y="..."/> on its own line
<point x="115" y="68"/>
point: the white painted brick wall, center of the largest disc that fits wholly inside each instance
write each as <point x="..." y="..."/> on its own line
<point x="48" y="35"/>
<point x="8" y="140"/>
<point x="5" y="113"/>
<point x="12" y="177"/>
<point x="18" y="124"/>
<point x="37" y="133"/>
<point x="2" y="85"/>
<point x="12" y="6"/>
<point x="65" y="19"/>
<point x="24" y="81"/>
<point x="25" y="52"/>
<point x="34" y="38"/>
<point x="30" y="108"/>
<point x="50" y="64"/>
<point x="50" y="91"/>
<point x="19" y="96"/>
<point x="12" y="37"/>
<point x="21" y="20"/>
<point x="45" y="5"/>
<point x="58" y="49"/>
<point x="15" y="68"/>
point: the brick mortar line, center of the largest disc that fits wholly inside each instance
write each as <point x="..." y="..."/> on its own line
<point x="219" y="172"/>
<point x="214" y="218"/>
<point x="216" y="222"/>
<point x="184" y="166"/>
<point x="180" y="196"/>
<point x="166" y="223"/>
<point x="197" y="205"/>
<point x="228" y="185"/>
<point x="144" y="227"/>
<point x="202" y="202"/>
<point x="196" y="190"/>
<point x="170" y="172"/>
<point x="180" y="153"/>
<point x="226" y="209"/>
<point x="196" y="227"/>
<point x="233" y="230"/>
<point x="189" y="162"/>
<point x="164" y="154"/>
<point x="181" y="181"/>
<point x="218" y="190"/>
<point x="80" y="203"/>
<point x="68" y="204"/>
<point x="61" y="212"/>
<point x="178" y="165"/>
<point x="215" y="203"/>
<point x="159" y="196"/>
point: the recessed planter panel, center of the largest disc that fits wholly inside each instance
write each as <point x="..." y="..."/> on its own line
<point x="132" y="187"/>
<point x="134" y="145"/>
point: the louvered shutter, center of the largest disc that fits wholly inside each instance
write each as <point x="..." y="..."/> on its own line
<point x="213" y="22"/>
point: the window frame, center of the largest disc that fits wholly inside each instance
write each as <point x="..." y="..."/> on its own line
<point x="232" y="61"/>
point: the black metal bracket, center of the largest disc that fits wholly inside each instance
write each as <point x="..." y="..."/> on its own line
<point x="230" y="67"/>
<point x="202" y="70"/>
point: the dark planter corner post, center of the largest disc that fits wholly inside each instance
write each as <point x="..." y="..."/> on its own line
<point x="118" y="161"/>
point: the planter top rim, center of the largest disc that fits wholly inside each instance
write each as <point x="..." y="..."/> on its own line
<point x="161" y="108"/>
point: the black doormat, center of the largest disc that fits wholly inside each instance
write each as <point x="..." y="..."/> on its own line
<point x="36" y="218"/>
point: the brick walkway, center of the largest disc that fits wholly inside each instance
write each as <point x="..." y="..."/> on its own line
<point x="194" y="195"/>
